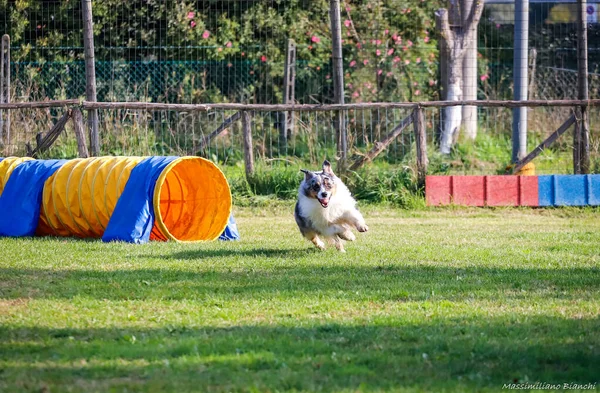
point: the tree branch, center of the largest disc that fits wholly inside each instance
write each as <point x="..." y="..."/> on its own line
<point x="474" y="17"/>
<point x="445" y="31"/>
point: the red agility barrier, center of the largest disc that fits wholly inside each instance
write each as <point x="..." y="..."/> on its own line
<point x="502" y="190"/>
<point x="529" y="191"/>
<point x="482" y="190"/>
<point x="468" y="190"/>
<point x="438" y="190"/>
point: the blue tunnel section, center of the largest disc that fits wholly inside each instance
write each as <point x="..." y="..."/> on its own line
<point x="21" y="198"/>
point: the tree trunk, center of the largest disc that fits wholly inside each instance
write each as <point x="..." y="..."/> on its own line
<point x="452" y="114"/>
<point x="456" y="42"/>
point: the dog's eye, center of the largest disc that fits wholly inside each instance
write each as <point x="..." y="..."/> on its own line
<point x="316" y="186"/>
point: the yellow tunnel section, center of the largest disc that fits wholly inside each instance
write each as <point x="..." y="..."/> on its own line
<point x="191" y="201"/>
<point x="7" y="166"/>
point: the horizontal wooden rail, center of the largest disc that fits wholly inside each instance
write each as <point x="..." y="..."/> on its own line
<point x="148" y="106"/>
<point x="511" y="104"/>
<point x="336" y="107"/>
<point x="39" y="104"/>
<point x="151" y="106"/>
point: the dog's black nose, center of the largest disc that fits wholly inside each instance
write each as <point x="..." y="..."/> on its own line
<point x="324" y="195"/>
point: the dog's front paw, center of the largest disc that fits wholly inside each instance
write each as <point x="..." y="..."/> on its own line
<point x="362" y="227"/>
<point x="320" y="245"/>
<point x="348" y="235"/>
<point x="340" y="247"/>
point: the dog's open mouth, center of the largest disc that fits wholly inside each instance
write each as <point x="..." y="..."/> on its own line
<point x="324" y="202"/>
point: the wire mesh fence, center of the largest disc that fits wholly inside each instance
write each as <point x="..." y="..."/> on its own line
<point x="170" y="132"/>
<point x="552" y="56"/>
<point x="233" y="51"/>
<point x="213" y="51"/>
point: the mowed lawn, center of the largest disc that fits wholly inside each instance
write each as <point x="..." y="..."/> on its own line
<point x="434" y="300"/>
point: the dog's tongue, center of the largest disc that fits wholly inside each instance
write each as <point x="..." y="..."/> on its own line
<point x="323" y="202"/>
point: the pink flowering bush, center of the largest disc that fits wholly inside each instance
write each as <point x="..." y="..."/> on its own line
<point x="382" y="41"/>
<point x="391" y="49"/>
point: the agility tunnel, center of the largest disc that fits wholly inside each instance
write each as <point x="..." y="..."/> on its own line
<point x="549" y="190"/>
<point x="131" y="199"/>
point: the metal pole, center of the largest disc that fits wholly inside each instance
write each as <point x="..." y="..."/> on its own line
<point x="469" y="113"/>
<point x="90" y="74"/>
<point x="582" y="130"/>
<point x="338" y="82"/>
<point x="519" y="134"/>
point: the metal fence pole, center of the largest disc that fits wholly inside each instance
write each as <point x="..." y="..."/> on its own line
<point x="519" y="126"/>
<point x="90" y="75"/>
<point x="469" y="66"/>
<point x="338" y="83"/>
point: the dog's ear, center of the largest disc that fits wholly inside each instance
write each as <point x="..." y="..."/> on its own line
<point x="327" y="168"/>
<point x="307" y="174"/>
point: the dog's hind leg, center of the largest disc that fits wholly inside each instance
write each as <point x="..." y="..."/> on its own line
<point x="347" y="235"/>
<point x="339" y="245"/>
<point x="318" y="242"/>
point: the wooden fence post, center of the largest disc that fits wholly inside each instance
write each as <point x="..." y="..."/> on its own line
<point x="289" y="87"/>
<point x="581" y="145"/>
<point x="421" y="142"/>
<point x="5" y="90"/>
<point x="79" y="133"/>
<point x="90" y="74"/>
<point x="248" y="152"/>
<point x="338" y="84"/>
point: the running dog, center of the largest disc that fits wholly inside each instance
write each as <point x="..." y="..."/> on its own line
<point x="326" y="209"/>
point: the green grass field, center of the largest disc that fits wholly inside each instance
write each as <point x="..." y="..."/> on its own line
<point x="430" y="300"/>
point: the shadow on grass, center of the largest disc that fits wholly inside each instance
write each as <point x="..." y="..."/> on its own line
<point x="201" y="254"/>
<point x="361" y="283"/>
<point x="434" y="355"/>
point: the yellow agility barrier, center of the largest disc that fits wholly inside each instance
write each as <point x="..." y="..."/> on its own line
<point x="191" y="199"/>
